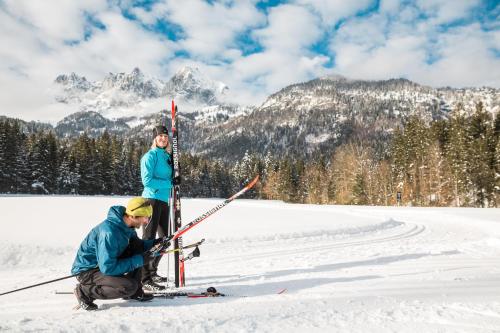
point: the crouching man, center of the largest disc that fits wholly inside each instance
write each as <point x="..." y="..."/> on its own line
<point x="109" y="259"/>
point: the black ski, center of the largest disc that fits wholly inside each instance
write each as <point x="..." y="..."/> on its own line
<point x="176" y="202"/>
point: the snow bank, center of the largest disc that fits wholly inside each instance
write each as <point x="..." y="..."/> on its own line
<point x="14" y="256"/>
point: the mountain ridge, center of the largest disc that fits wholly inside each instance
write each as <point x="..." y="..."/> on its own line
<point x="301" y="119"/>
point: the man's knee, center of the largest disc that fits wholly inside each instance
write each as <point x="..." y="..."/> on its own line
<point x="129" y="287"/>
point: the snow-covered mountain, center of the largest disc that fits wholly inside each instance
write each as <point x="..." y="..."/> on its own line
<point x="318" y="115"/>
<point x="90" y="122"/>
<point x="301" y="119"/>
<point x="190" y="85"/>
<point x="121" y="95"/>
<point x="334" y="91"/>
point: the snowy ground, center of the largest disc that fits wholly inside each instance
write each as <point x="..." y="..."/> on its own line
<point x="345" y="268"/>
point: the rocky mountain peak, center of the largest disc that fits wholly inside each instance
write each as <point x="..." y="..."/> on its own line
<point x="191" y="84"/>
<point x="73" y="81"/>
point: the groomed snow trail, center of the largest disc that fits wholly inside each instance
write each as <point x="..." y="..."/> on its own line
<point x="345" y="269"/>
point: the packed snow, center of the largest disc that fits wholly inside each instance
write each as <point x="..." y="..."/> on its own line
<point x="344" y="268"/>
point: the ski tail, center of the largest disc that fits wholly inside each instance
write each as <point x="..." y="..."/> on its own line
<point x="202" y="217"/>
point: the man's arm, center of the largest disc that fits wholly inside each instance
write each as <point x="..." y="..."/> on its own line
<point x="108" y="257"/>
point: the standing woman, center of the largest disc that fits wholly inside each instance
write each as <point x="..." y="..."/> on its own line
<point x="156" y="175"/>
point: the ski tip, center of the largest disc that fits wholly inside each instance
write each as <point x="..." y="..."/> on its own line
<point x="282" y="291"/>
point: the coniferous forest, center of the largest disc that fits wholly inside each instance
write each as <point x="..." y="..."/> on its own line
<point x="453" y="162"/>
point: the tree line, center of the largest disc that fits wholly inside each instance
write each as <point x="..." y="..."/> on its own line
<point x="454" y="162"/>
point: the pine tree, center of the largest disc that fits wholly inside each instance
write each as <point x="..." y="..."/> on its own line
<point x="12" y="157"/>
<point x="21" y="172"/>
<point x="87" y="167"/>
<point x="456" y="152"/>
<point x="409" y="152"/>
<point x="496" y="195"/>
<point x="315" y="182"/>
<point x="68" y="177"/>
<point x="3" y="157"/>
<point x="52" y="158"/>
<point x="359" y="191"/>
<point x="40" y="163"/>
<point x="105" y="163"/>
<point x="205" y="181"/>
<point x="496" y="161"/>
<point x="117" y="168"/>
<point x="481" y="158"/>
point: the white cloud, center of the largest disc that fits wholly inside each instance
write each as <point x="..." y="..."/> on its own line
<point x="379" y="48"/>
<point x="209" y="29"/>
<point x="121" y="47"/>
<point x="466" y="59"/>
<point x="395" y="41"/>
<point x="57" y="19"/>
<point x="367" y="32"/>
<point x="37" y="54"/>
<point x="442" y="11"/>
<point x="389" y="6"/>
<point x="147" y="17"/>
<point x="331" y="11"/>
<point x="395" y="58"/>
<point x="285" y="58"/>
<point x="291" y="29"/>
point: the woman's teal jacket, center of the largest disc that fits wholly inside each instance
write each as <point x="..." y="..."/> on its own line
<point x="156" y="174"/>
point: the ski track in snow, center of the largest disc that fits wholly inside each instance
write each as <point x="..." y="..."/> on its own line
<point x="345" y="268"/>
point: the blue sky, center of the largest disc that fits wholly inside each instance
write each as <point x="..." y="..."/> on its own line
<point x="255" y="47"/>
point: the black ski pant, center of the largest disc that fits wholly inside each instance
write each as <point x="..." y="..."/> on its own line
<point x="95" y="285"/>
<point x="159" y="223"/>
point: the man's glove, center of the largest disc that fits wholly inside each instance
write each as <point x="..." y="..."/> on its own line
<point x="159" y="245"/>
<point x="164" y="241"/>
<point x="158" y="241"/>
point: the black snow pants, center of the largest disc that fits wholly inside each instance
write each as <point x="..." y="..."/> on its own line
<point x="159" y="223"/>
<point x="95" y="285"/>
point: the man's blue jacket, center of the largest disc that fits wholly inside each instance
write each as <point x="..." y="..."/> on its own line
<point x="105" y="243"/>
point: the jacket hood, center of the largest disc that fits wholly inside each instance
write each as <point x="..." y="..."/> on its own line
<point x="115" y="217"/>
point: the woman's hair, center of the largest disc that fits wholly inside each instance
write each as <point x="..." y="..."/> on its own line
<point x="168" y="148"/>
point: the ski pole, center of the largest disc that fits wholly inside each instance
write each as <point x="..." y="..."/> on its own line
<point x="74" y="275"/>
<point x="183" y="248"/>
<point x="194" y="254"/>
<point x="38" y="284"/>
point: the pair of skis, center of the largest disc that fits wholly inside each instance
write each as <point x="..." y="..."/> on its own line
<point x="178" y="229"/>
<point x="176" y="203"/>
<point x="211" y="292"/>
